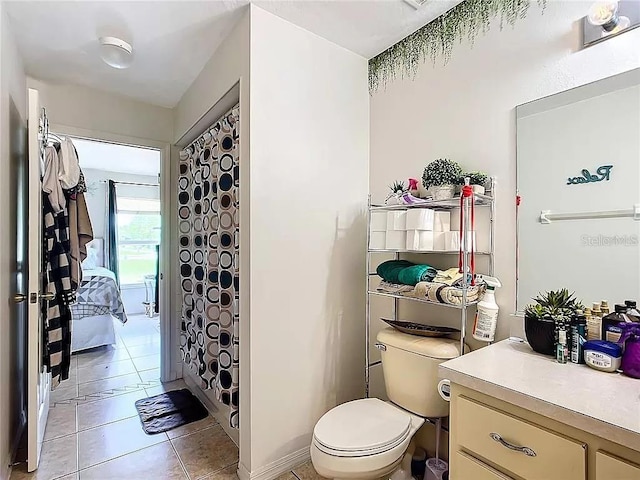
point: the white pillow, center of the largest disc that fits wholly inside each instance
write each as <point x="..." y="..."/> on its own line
<point x="91" y="262"/>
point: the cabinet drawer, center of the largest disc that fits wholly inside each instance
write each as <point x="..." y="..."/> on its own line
<point x="609" y="467"/>
<point x="519" y="447"/>
<point x="468" y="468"/>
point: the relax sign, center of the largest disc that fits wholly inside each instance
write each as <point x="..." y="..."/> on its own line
<point x="602" y="173"/>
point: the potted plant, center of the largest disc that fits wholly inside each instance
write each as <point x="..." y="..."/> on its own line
<point x="397" y="188"/>
<point x="440" y="178"/>
<point x="477" y="180"/>
<point x="541" y="318"/>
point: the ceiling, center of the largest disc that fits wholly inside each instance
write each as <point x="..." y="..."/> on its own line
<point x="173" y="40"/>
<point x="117" y="158"/>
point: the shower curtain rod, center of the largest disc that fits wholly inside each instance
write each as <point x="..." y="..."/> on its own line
<point x="133" y="183"/>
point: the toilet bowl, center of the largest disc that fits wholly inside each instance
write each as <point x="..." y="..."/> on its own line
<point x="362" y="439"/>
<point x="370" y="439"/>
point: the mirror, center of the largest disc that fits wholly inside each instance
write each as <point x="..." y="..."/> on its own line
<point x="578" y="179"/>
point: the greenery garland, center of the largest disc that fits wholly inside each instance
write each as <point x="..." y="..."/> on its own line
<point x="438" y="37"/>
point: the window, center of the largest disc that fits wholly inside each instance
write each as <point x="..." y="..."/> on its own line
<point x="138" y="234"/>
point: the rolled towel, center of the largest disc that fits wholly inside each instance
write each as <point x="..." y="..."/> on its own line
<point x="390" y="270"/>
<point x="417" y="273"/>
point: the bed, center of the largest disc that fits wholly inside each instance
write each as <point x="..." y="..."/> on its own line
<point x="98" y="303"/>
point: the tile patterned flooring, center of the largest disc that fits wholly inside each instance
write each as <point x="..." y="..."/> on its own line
<point x="94" y="433"/>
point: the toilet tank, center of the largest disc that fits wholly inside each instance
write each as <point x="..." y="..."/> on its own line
<point x="410" y="366"/>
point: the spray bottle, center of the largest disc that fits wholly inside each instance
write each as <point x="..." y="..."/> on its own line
<point x="484" y="328"/>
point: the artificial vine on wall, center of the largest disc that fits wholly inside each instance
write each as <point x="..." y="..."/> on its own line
<point x="437" y="38"/>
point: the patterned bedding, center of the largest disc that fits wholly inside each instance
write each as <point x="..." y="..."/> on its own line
<point x="98" y="294"/>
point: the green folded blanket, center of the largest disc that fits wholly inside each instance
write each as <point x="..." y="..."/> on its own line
<point x="405" y="272"/>
<point x="391" y="269"/>
<point x="417" y="273"/>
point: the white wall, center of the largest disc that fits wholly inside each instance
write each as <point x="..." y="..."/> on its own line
<point x="466" y="111"/>
<point x="12" y="87"/>
<point x="228" y="66"/>
<point x="96" y="111"/>
<point x="96" y="195"/>
<point x="309" y="167"/>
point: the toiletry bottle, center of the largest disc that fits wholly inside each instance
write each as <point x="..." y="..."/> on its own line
<point x="604" y="308"/>
<point x="587" y="315"/>
<point x="632" y="309"/>
<point x="561" y="349"/>
<point x="594" y="327"/>
<point x="612" y="324"/>
<point x="484" y="327"/>
<point x="578" y="337"/>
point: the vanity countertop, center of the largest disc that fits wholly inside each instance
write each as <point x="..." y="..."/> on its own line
<point x="604" y="404"/>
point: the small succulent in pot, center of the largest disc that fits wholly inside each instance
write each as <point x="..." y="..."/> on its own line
<point x="440" y="177"/>
<point x="397" y="188"/>
<point x="477" y="179"/>
<point x="542" y="317"/>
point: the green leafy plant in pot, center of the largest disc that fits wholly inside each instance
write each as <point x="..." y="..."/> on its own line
<point x="440" y="178"/>
<point x="476" y="179"/>
<point x="541" y="317"/>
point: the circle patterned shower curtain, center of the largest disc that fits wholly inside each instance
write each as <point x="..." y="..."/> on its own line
<point x="208" y="206"/>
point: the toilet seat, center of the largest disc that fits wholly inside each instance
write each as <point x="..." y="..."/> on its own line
<point x="362" y="428"/>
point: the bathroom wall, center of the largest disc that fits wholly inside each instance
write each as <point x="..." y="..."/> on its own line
<point x="465" y="110"/>
<point x="309" y="169"/>
<point x="304" y="140"/>
<point x="12" y="90"/>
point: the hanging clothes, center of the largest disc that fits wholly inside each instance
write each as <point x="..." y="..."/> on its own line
<point x="69" y="165"/>
<point x="57" y="352"/>
<point x="80" y="229"/>
<point x="208" y="210"/>
<point x="51" y="179"/>
<point x="66" y="232"/>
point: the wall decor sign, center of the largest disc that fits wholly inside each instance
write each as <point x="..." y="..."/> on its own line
<point x="603" y="173"/>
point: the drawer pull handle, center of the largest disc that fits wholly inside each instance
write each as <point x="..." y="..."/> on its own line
<point x="526" y="450"/>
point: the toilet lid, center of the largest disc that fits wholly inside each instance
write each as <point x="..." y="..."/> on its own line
<point x="362" y="427"/>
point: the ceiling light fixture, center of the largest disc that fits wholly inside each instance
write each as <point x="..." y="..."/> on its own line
<point x="417" y="4"/>
<point x="115" y="52"/>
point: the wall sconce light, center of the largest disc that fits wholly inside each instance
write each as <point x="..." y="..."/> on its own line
<point x="608" y="19"/>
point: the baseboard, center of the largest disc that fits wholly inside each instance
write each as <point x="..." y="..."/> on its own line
<point x="277" y="468"/>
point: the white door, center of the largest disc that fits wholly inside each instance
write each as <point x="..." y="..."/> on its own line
<point x="38" y="380"/>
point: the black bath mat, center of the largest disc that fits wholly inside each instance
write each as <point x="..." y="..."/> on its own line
<point x="169" y="410"/>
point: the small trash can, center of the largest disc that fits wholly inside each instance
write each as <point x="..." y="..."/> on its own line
<point x="150" y="295"/>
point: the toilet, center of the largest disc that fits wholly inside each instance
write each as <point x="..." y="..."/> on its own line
<point x="369" y="438"/>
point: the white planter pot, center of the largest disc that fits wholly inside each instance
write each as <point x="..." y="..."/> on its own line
<point x="478" y="189"/>
<point x="442" y="192"/>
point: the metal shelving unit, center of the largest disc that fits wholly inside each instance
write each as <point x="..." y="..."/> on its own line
<point x="483" y="201"/>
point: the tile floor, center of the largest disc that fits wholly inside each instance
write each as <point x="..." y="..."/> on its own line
<point x="94" y="433"/>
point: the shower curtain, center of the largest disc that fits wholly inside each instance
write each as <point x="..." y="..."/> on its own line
<point x="208" y="189"/>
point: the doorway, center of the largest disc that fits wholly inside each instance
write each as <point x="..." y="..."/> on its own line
<point x="120" y="348"/>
